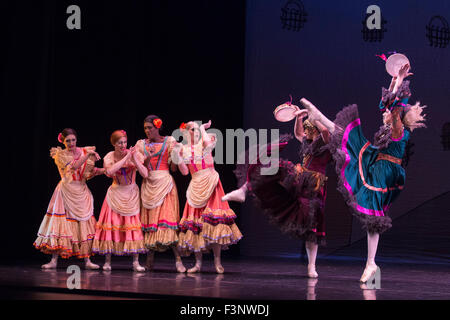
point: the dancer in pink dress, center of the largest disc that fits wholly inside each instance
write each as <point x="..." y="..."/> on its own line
<point x="68" y="227"/>
<point x="118" y="230"/>
<point x="160" y="210"/>
<point x="207" y="222"/>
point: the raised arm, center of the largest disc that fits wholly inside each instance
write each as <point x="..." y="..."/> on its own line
<point x="323" y="131"/>
<point x="207" y="141"/>
<point x="298" y="127"/>
<point x="397" y="125"/>
<point x="403" y="73"/>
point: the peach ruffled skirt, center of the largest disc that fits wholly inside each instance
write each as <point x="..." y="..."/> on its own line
<point x="214" y="223"/>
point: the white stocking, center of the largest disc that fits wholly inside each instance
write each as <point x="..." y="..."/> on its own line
<point x="311" y="250"/>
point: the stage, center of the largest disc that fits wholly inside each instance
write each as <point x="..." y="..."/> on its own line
<point x="244" y="279"/>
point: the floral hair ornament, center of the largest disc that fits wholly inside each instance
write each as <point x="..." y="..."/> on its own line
<point x="60" y="138"/>
<point x="157" y="123"/>
<point x="123" y="132"/>
<point x="183" y="126"/>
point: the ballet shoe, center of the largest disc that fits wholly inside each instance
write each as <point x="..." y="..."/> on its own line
<point x="218" y="266"/>
<point x="312" y="271"/>
<point x="194" y="269"/>
<point x="107" y="267"/>
<point x="219" y="269"/>
<point x="137" y="267"/>
<point x="180" y="267"/>
<point x="236" y="195"/>
<point x="369" y="271"/>
<point x="51" y="265"/>
<point x="91" y="266"/>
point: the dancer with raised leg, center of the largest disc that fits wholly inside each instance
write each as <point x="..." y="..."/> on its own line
<point x="207" y="222"/>
<point x="119" y="229"/>
<point x="293" y="198"/>
<point x="371" y="176"/>
<point x="160" y="213"/>
<point x="68" y="227"/>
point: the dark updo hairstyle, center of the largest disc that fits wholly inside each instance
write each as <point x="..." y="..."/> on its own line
<point x="67" y="131"/>
<point x="151" y="118"/>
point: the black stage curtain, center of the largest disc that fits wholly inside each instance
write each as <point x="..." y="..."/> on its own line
<point x="180" y="60"/>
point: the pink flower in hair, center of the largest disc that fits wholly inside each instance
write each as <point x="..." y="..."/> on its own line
<point x="123" y="132"/>
<point x="60" y="138"/>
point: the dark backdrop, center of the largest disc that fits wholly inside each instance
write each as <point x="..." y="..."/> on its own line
<point x="180" y="60"/>
<point x="328" y="62"/>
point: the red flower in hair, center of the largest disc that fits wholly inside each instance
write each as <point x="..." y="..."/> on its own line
<point x="157" y="123"/>
<point x="183" y="126"/>
<point x="60" y="138"/>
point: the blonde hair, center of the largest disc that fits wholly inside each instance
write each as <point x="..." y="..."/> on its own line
<point x="414" y="117"/>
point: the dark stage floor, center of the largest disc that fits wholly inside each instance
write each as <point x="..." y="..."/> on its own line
<point x="281" y="279"/>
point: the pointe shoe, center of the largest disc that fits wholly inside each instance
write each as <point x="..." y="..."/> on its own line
<point x="137" y="267"/>
<point x="91" y="266"/>
<point x="51" y="265"/>
<point x="107" y="267"/>
<point x="312" y="271"/>
<point x="194" y="269"/>
<point x="219" y="269"/>
<point x="315" y="114"/>
<point x="236" y="195"/>
<point x="180" y="267"/>
<point x="369" y="271"/>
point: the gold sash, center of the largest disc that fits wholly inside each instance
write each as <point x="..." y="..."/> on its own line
<point x="201" y="187"/>
<point x="124" y="199"/>
<point x="155" y="188"/>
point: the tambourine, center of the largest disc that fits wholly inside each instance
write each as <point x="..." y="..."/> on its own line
<point x="285" y="112"/>
<point x="395" y="62"/>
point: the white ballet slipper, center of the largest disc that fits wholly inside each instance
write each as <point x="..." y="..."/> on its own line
<point x="312" y="271"/>
<point x="369" y="271"/>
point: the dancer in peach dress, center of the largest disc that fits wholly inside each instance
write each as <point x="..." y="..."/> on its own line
<point x="68" y="227"/>
<point x="207" y="222"/>
<point x="160" y="212"/>
<point x="118" y="230"/>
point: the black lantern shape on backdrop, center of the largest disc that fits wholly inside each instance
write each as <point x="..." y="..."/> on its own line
<point x="446" y="136"/>
<point x="374" y="35"/>
<point x="293" y="15"/>
<point x="438" y="32"/>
